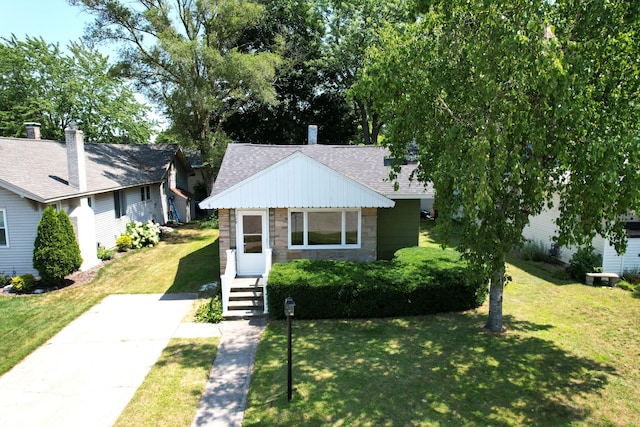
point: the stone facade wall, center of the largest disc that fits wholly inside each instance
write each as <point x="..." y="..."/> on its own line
<point x="279" y="240"/>
<point x="226" y="241"/>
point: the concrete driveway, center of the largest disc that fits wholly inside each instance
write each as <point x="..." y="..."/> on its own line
<point x="87" y="373"/>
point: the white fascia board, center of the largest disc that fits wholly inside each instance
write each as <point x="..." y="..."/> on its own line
<point x="297" y="181"/>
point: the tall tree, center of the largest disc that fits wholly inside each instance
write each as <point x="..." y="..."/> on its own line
<point x="303" y="97"/>
<point x="351" y="28"/>
<point x="185" y="56"/>
<point x="38" y="82"/>
<point x="511" y="102"/>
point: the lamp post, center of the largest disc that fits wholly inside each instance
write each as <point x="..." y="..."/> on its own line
<point x="289" y="306"/>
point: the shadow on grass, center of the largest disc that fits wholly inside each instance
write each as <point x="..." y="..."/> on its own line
<point x="435" y="370"/>
<point x="196" y="269"/>
<point x="555" y="274"/>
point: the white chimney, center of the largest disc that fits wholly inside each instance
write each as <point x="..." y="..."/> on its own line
<point x="33" y="130"/>
<point x="313" y="134"/>
<point x="75" y="157"/>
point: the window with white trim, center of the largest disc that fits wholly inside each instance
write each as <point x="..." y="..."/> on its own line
<point x="4" y="236"/>
<point x="324" y="228"/>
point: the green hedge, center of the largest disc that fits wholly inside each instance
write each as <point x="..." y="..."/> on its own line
<point x="417" y="281"/>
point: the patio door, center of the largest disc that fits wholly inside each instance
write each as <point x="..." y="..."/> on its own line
<point x="252" y="240"/>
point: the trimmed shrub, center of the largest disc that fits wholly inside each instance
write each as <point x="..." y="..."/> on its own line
<point x="56" y="252"/>
<point x="417" y="281"/>
<point x="143" y="234"/>
<point x="584" y="261"/>
<point x="24" y="283"/>
<point x="123" y="243"/>
<point x="105" y="254"/>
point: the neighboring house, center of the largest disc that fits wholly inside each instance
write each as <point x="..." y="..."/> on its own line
<point x="100" y="186"/>
<point x="282" y="202"/>
<point x="542" y="228"/>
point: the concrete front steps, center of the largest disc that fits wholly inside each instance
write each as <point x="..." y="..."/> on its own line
<point x="246" y="298"/>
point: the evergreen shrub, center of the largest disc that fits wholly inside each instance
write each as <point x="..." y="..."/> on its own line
<point x="56" y="252"/>
<point x="417" y="281"/>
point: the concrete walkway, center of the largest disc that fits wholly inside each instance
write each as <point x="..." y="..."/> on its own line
<point x="225" y="396"/>
<point x="87" y="373"/>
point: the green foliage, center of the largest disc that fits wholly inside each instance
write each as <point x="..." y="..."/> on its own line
<point x="190" y="62"/>
<point x="24" y="283"/>
<point x="143" y="234"/>
<point x="5" y="279"/>
<point x="38" y="82"/>
<point x="535" y="250"/>
<point x="210" y="311"/>
<point x="507" y="110"/>
<point x="105" y="254"/>
<point x="418" y="281"/>
<point x="584" y="261"/>
<point x="211" y="222"/>
<point x="56" y="252"/>
<point x="123" y="243"/>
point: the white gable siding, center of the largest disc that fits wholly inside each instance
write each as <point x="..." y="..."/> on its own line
<point x="22" y="226"/>
<point x="297" y="182"/>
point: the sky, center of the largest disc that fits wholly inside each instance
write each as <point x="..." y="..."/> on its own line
<point x="53" y="20"/>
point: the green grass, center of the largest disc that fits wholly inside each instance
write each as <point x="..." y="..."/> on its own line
<point x="171" y="391"/>
<point x="570" y="358"/>
<point x="187" y="259"/>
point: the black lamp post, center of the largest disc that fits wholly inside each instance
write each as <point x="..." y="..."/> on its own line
<point x="289" y="306"/>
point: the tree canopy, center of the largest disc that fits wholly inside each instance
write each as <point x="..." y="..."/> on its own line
<point x="511" y="102"/>
<point x="40" y="83"/>
<point x="186" y="57"/>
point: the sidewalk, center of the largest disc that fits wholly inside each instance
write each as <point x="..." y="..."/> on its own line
<point x="225" y="395"/>
<point x="87" y="373"/>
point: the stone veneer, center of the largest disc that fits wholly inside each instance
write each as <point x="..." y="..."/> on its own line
<point x="279" y="241"/>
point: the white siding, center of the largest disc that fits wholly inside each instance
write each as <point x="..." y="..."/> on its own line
<point x="108" y="227"/>
<point x="542" y="228"/>
<point x="297" y="182"/>
<point x="613" y="263"/>
<point x="22" y="225"/>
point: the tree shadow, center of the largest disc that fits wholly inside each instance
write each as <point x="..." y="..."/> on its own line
<point x="551" y="273"/>
<point x="433" y="370"/>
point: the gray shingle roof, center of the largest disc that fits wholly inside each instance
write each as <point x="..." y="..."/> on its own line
<point x="37" y="169"/>
<point x="364" y="164"/>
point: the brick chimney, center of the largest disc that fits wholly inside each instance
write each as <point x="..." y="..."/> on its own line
<point x="312" y="134"/>
<point x="33" y="130"/>
<point x="75" y="157"/>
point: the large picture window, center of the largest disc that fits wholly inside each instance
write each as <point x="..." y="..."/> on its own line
<point x="324" y="229"/>
<point x="4" y="238"/>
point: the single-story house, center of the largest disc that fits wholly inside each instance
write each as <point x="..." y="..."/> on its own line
<point x="542" y="228"/>
<point x="100" y="186"/>
<point x="283" y="202"/>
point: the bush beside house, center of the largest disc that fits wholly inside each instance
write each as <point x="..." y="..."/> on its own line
<point x="417" y="281"/>
<point x="56" y="252"/>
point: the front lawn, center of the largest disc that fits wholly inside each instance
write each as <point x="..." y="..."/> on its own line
<point x="183" y="262"/>
<point x="570" y="357"/>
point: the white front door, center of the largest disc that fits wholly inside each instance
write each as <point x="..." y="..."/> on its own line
<point x="252" y="240"/>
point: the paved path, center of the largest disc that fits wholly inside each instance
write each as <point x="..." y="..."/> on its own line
<point x="87" y="373"/>
<point x="225" y="396"/>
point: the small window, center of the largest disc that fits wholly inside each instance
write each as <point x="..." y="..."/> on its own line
<point x="119" y="203"/>
<point x="145" y="193"/>
<point x="4" y="238"/>
<point x="324" y="229"/>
